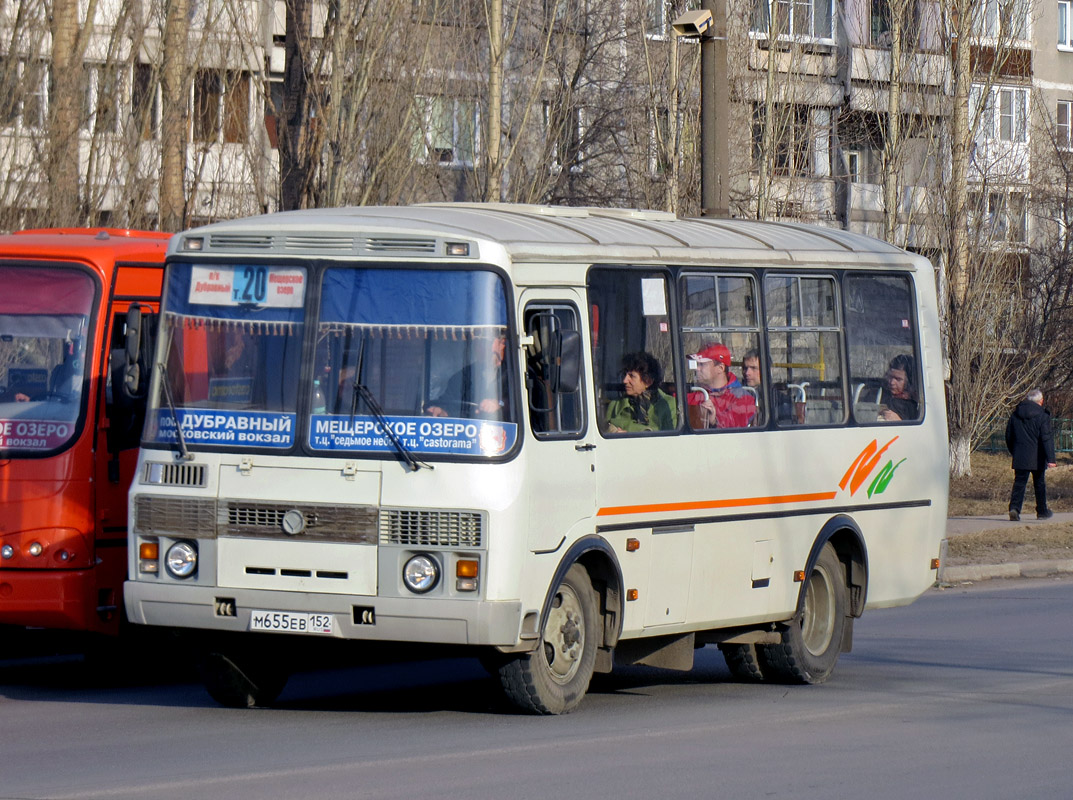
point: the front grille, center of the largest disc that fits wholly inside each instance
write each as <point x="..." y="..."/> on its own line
<point x="159" y="474"/>
<point x="324" y="523"/>
<point x="431" y="528"/>
<point x="175" y="516"/>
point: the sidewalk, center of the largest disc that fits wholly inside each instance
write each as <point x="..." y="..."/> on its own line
<point x="997" y="522"/>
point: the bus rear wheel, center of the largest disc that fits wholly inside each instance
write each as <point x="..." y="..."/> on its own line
<point x="553" y="678"/>
<point x="811" y="643"/>
<point x="743" y="662"/>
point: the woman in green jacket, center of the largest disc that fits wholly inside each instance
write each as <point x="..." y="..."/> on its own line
<point x="645" y="407"/>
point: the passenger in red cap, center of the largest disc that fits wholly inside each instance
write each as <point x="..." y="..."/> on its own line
<point x="720" y="400"/>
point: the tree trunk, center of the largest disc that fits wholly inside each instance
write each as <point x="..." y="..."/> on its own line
<point x="494" y="125"/>
<point x="960" y="452"/>
<point x="174" y="117"/>
<point x="892" y="145"/>
<point x="64" y="111"/>
<point x="294" y="126"/>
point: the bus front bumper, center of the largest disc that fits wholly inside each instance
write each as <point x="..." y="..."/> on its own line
<point x="67" y="599"/>
<point x="396" y="619"/>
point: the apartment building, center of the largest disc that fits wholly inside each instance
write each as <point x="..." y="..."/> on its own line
<point x="839" y="109"/>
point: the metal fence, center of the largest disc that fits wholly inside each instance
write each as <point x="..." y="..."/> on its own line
<point x="1063" y="437"/>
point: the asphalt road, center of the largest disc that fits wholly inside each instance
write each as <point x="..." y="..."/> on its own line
<point x="967" y="693"/>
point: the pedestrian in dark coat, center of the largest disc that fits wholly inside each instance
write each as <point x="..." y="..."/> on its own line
<point x="1030" y="442"/>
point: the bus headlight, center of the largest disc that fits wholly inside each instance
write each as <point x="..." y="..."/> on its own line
<point x="421" y="574"/>
<point x="181" y="559"/>
<point x="7" y="551"/>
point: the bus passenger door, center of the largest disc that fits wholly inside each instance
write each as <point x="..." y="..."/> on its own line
<point x="559" y="455"/>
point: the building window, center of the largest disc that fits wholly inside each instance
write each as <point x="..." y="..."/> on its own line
<point x="882" y="22"/>
<point x="1064" y="133"/>
<point x="565" y="137"/>
<point x="565" y="14"/>
<point x="853" y="166"/>
<point x="1065" y="24"/>
<point x="145" y="100"/>
<point x="660" y="142"/>
<point x="24" y="85"/>
<point x="656" y="17"/>
<point x="221" y="106"/>
<point x="1004" y="113"/>
<point x="1004" y="20"/>
<point x="795" y="19"/>
<point x="100" y="100"/>
<point x="448" y="132"/>
<point x="792" y="139"/>
<point x="1004" y="218"/>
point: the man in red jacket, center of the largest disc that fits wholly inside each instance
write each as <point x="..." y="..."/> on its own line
<point x="1029" y="440"/>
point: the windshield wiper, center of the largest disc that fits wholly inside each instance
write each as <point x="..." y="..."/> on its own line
<point x="186" y="456"/>
<point x="362" y="391"/>
<point x="378" y="414"/>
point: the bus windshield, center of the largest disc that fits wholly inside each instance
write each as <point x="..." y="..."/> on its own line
<point x="45" y="318"/>
<point x="403" y="358"/>
<point x="231" y="343"/>
<point x="419" y="350"/>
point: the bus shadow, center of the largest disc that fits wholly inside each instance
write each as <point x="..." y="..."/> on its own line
<point x="381" y="685"/>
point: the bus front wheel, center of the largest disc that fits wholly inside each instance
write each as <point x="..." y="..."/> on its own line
<point x="812" y="641"/>
<point x="241" y="680"/>
<point x="553" y="678"/>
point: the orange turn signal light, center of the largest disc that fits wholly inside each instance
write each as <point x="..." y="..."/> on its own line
<point x="466" y="568"/>
<point x="633" y="544"/>
<point x="631" y="594"/>
<point x="799" y="575"/>
<point x="149" y="551"/>
<point x="935" y="563"/>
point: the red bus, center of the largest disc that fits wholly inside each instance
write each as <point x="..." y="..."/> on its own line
<point x="70" y="418"/>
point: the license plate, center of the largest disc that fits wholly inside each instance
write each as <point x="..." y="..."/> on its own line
<point x="291" y="622"/>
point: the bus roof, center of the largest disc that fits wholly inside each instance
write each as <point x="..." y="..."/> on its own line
<point x="540" y="233"/>
<point x="95" y="244"/>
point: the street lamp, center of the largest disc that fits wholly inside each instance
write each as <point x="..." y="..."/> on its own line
<point x="709" y="25"/>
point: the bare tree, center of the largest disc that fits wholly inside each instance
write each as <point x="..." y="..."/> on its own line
<point x="175" y="116"/>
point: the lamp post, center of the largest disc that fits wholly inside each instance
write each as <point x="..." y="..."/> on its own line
<point x="709" y="25"/>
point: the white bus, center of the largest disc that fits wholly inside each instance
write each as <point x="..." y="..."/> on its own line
<point x="568" y="437"/>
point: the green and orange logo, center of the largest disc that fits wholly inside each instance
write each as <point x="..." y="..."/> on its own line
<point x="865" y="464"/>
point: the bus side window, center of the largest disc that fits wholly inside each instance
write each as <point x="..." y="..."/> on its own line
<point x="551" y="413"/>
<point x="720" y="320"/>
<point x="881" y="341"/>
<point x="631" y="332"/>
<point x="804" y="339"/>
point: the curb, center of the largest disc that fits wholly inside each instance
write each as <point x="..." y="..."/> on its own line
<point x="983" y="572"/>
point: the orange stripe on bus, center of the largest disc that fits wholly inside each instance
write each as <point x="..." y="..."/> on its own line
<point x="702" y="504"/>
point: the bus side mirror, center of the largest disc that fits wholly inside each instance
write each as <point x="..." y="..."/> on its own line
<point x="567" y="353"/>
<point x="133" y="383"/>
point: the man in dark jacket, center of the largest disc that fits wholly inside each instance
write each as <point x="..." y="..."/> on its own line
<point x="1029" y="440"/>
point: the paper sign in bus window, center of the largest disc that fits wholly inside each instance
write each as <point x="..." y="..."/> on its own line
<point x="270" y="287"/>
<point x="653" y="297"/>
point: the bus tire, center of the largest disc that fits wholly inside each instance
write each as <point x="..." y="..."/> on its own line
<point x="553" y="678"/>
<point x="812" y="641"/>
<point x="743" y="662"/>
<point x="236" y="682"/>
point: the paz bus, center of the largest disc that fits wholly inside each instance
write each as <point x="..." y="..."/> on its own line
<point x="69" y="427"/>
<point x="391" y="424"/>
